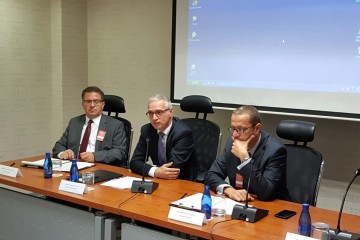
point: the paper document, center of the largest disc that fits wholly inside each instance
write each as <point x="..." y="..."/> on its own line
<point x="121" y="183"/>
<point x="66" y="164"/>
<point x="194" y="202"/>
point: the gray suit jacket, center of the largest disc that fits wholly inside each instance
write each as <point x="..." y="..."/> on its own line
<point x="112" y="150"/>
<point x="268" y="178"/>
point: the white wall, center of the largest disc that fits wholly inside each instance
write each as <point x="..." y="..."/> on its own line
<point x="51" y="49"/>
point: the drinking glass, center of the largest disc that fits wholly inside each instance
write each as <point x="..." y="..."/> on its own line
<point x="320" y="230"/>
<point x="57" y="167"/>
<point x="219" y="205"/>
<point x="88" y="179"/>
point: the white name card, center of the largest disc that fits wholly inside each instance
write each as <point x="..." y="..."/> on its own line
<point x="9" y="171"/>
<point x="187" y="216"/>
<point x="293" y="236"/>
<point x="73" y="187"/>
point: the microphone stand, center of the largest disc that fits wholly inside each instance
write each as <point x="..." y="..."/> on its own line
<point x="246" y="213"/>
<point x="337" y="234"/>
<point x="142" y="186"/>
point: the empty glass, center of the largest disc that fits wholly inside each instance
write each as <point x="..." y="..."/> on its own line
<point x="219" y="205"/>
<point x="88" y="178"/>
<point x="320" y="230"/>
<point x="57" y="167"/>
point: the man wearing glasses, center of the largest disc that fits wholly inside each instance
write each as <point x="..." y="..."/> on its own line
<point x="169" y="143"/>
<point x="93" y="137"/>
<point x="250" y="155"/>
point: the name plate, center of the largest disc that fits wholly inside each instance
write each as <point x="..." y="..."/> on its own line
<point x="293" y="236"/>
<point x="9" y="171"/>
<point x="187" y="216"/>
<point x="73" y="187"/>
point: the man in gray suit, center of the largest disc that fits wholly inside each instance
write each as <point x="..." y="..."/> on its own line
<point x="105" y="141"/>
<point x="250" y="155"/>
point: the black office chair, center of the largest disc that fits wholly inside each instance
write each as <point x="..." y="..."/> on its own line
<point x="207" y="135"/>
<point x="115" y="105"/>
<point x="304" y="164"/>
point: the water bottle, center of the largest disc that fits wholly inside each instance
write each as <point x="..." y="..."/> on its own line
<point x="74" y="171"/>
<point x="47" y="166"/>
<point x="305" y="221"/>
<point x="206" y="202"/>
<point x="219" y="205"/>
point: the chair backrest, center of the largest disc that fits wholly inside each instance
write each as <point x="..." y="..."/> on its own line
<point x="207" y="134"/>
<point x="113" y="106"/>
<point x="304" y="165"/>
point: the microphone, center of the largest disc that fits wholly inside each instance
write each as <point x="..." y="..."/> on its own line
<point x="337" y="234"/>
<point x="246" y="213"/>
<point x="142" y="186"/>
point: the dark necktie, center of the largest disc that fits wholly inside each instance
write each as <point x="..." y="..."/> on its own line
<point x="162" y="149"/>
<point x="85" y="140"/>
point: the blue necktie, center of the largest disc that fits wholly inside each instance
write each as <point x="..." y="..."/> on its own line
<point x="162" y="149"/>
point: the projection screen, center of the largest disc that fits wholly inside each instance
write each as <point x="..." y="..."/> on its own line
<point x="290" y="56"/>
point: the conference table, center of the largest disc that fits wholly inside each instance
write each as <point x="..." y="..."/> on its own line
<point x="154" y="208"/>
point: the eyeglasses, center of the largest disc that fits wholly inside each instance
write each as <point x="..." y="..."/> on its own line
<point x="95" y="102"/>
<point x="239" y="130"/>
<point x="158" y="113"/>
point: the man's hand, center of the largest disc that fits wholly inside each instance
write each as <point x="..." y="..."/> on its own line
<point x="240" y="148"/>
<point x="67" y="154"/>
<point x="166" y="172"/>
<point x="237" y="195"/>
<point x="87" y="157"/>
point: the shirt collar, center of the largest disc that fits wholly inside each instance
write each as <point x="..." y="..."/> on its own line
<point x="251" y="151"/>
<point x="95" y="120"/>
<point x="167" y="130"/>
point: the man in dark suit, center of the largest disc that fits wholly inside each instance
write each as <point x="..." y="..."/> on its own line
<point x="250" y="149"/>
<point x="177" y="159"/>
<point x="106" y="140"/>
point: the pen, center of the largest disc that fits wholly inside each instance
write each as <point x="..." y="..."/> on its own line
<point x="191" y="208"/>
<point x="12" y="164"/>
<point x="183" y="195"/>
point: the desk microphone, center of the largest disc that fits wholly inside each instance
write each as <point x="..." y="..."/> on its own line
<point x="337" y="234"/>
<point x="246" y="213"/>
<point x="142" y="186"/>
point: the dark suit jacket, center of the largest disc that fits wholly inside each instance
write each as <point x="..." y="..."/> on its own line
<point x="268" y="179"/>
<point x="179" y="149"/>
<point x="112" y="150"/>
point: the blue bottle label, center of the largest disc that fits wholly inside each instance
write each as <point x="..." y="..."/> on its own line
<point x="304" y="230"/>
<point x="206" y="208"/>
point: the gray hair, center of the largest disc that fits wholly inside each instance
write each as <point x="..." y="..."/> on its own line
<point x="159" y="97"/>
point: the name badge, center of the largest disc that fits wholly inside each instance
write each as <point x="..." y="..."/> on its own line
<point x="10" y="171"/>
<point x="100" y="136"/>
<point x="73" y="187"/>
<point x="187" y="216"/>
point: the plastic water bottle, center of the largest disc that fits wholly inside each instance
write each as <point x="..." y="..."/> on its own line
<point x="47" y="166"/>
<point x="74" y="171"/>
<point x="206" y="202"/>
<point x="219" y="205"/>
<point x="305" y="221"/>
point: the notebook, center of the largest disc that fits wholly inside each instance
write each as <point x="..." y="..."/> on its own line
<point x="103" y="175"/>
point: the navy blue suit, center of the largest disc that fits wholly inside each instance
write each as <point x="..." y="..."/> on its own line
<point x="179" y="149"/>
<point x="268" y="180"/>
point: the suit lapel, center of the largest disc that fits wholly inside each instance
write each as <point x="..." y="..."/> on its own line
<point x="79" y="128"/>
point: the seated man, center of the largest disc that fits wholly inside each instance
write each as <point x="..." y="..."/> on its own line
<point x="250" y="149"/>
<point x="172" y="153"/>
<point x="100" y="140"/>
